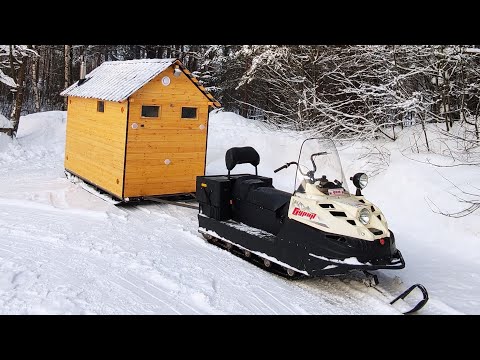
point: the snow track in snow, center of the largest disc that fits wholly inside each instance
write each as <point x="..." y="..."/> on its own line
<point x="154" y="262"/>
<point x="60" y="262"/>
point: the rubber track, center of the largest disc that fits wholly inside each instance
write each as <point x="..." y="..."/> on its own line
<point x="256" y="260"/>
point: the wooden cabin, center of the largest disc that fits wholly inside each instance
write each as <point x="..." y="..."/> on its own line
<point x="138" y="128"/>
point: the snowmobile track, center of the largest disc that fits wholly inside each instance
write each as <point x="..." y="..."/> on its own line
<point x="255" y="259"/>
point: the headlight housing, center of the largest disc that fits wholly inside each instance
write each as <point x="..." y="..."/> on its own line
<point x="360" y="180"/>
<point x="364" y="216"/>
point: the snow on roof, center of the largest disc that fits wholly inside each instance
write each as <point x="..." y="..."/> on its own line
<point x="117" y="80"/>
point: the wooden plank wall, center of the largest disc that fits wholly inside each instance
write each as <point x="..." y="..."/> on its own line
<point x="182" y="141"/>
<point x="95" y="143"/>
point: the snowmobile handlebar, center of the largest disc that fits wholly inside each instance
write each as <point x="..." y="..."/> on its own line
<point x="309" y="173"/>
<point x="285" y="166"/>
<point x="313" y="161"/>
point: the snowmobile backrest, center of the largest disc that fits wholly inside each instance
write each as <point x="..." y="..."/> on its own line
<point x="241" y="155"/>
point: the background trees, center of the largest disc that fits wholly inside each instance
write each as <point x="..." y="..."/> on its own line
<point x="346" y="92"/>
<point x="339" y="91"/>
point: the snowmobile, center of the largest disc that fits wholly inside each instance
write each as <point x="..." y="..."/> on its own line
<point x="320" y="229"/>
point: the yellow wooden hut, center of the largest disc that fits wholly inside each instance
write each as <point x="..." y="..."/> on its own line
<point x="138" y="128"/>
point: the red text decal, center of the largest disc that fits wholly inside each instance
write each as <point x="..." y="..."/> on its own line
<point x="301" y="213"/>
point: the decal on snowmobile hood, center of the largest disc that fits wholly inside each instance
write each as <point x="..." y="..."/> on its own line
<point x="301" y="213"/>
<point x="304" y="211"/>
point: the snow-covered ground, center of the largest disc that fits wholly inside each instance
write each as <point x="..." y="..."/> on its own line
<point x="65" y="251"/>
<point x="5" y="123"/>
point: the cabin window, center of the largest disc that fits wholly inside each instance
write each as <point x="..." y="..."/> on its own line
<point x="189" y="113"/>
<point x="150" y="111"/>
<point x="100" y="106"/>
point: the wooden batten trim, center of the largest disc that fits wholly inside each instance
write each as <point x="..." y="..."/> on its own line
<point x="125" y="150"/>
<point x="195" y="81"/>
<point x="206" y="142"/>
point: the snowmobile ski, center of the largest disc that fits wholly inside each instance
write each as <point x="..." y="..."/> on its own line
<point x="371" y="280"/>
<point x="407" y="292"/>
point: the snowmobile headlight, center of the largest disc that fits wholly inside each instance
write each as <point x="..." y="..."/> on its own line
<point x="364" y="216"/>
<point x="360" y="180"/>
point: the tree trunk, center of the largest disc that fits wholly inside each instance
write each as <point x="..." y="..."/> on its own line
<point x="45" y="73"/>
<point x="106" y="53"/>
<point x="395" y="115"/>
<point x="449" y="111"/>
<point x="150" y="51"/>
<point x="476" y="120"/>
<point x="445" y="115"/>
<point x="68" y="65"/>
<point x="425" y="133"/>
<point x="137" y="52"/>
<point x="36" y="97"/>
<point x="18" y="102"/>
<point x="12" y="66"/>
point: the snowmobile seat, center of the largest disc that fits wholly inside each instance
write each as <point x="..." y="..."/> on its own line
<point x="269" y="198"/>
<point x="245" y="184"/>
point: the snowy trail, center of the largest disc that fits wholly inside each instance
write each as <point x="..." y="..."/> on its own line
<point x="59" y="263"/>
<point x="64" y="251"/>
<point x="112" y="263"/>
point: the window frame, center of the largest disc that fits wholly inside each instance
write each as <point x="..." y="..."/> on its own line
<point x="150" y="117"/>
<point x="102" y="102"/>
<point x="189" y="118"/>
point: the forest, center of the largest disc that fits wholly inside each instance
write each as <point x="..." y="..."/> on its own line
<point x="348" y="91"/>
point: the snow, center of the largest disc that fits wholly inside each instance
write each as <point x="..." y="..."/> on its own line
<point x="473" y="50"/>
<point x="348" y="261"/>
<point x="117" y="80"/>
<point x="330" y="267"/>
<point x="7" y="80"/>
<point x="248" y="229"/>
<point x="5" y="123"/>
<point x="65" y="251"/>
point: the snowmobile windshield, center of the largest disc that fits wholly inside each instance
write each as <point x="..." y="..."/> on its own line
<point x="319" y="165"/>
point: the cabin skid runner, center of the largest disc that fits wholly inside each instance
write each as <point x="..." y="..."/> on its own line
<point x="319" y="230"/>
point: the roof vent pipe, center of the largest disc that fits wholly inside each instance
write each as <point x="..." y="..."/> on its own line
<point x="83" y="70"/>
<point x="177" y="71"/>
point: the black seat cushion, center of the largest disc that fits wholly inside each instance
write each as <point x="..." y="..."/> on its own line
<point x="244" y="184"/>
<point x="268" y="198"/>
<point x="241" y="155"/>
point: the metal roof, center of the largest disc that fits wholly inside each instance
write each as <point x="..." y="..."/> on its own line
<point x="117" y="80"/>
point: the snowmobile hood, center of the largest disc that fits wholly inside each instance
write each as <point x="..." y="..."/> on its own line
<point x="339" y="215"/>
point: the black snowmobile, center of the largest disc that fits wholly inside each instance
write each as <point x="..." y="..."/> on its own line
<point x="321" y="229"/>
